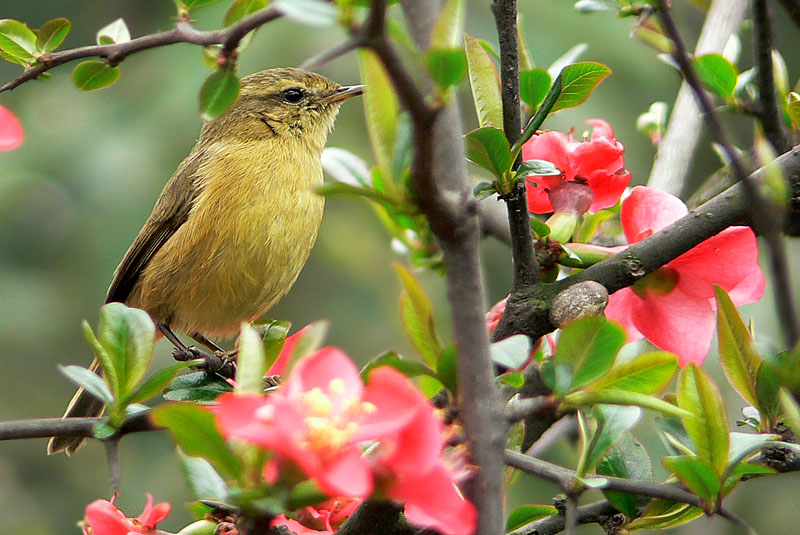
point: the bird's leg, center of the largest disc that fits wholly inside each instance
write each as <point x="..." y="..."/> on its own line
<point x="228" y="357"/>
<point x="213" y="363"/>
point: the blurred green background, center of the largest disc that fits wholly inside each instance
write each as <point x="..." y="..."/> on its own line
<point x="76" y="193"/>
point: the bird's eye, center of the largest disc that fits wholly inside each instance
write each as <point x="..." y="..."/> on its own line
<point x="293" y="95"/>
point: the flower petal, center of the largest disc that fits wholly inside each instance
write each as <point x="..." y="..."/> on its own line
<point x="537" y="189"/>
<point x="319" y="369"/>
<point x="105" y="519"/>
<point x="620" y="308"/>
<point x="648" y="210"/>
<point x="11" y="134"/>
<point x="607" y="188"/>
<point x="152" y="515"/>
<point x="279" y="366"/>
<point x="348" y="475"/>
<point x="601" y="153"/>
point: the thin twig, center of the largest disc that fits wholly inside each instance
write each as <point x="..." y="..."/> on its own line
<point x="761" y="213"/>
<point x="520" y="408"/>
<point x="571" y="515"/>
<point x="69" y="427"/>
<point x="585" y="514"/>
<point x="183" y="32"/>
<point x="769" y="114"/>
<point x="331" y="54"/>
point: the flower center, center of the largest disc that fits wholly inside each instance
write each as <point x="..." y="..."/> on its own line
<point x="574" y="197"/>
<point x="661" y="282"/>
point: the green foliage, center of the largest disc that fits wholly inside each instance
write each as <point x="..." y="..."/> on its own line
<point x="52" y="34"/>
<point x="114" y="33"/>
<point x="447" y="66"/>
<point x="793" y="108"/>
<point x="193" y="4"/>
<point x="381" y="109"/>
<point x="511" y="352"/>
<point x="309" y="12"/>
<point x="273" y="335"/>
<point x="127" y="335"/>
<point x="663" y="514"/>
<point x="489" y="148"/>
<point x="737" y="353"/>
<point x="416" y="314"/>
<point x="646" y="373"/>
<point x="219" y="92"/>
<point x="409" y="368"/>
<point x="527" y="514"/>
<point x="579" y="81"/>
<point x="155" y="383"/>
<point x="17" y="42"/>
<point x="485" y="84"/>
<point x="696" y="473"/>
<point x="92" y="74"/>
<point x="613" y="421"/>
<point x="204" y="482"/>
<point x="240" y="9"/>
<point x="90" y="381"/>
<point x="706" y="425"/>
<point x="198" y="387"/>
<point x="447" y="368"/>
<point x="717" y="74"/>
<point x="628" y="459"/>
<point x="449" y="26"/>
<point x="533" y="86"/>
<point x="251" y="363"/>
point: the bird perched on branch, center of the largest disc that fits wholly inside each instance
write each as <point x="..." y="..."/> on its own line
<point x="235" y="224"/>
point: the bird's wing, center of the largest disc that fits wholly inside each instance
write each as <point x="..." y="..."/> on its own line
<point x="170" y="212"/>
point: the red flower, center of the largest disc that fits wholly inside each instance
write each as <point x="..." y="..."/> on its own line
<point x="673" y="307"/>
<point x="597" y="163"/>
<point x="323" y="519"/>
<point x="316" y="421"/>
<point x="103" y="518"/>
<point x="10" y="130"/>
<point x="495" y="314"/>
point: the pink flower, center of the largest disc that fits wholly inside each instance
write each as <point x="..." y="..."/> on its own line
<point x="103" y="518"/>
<point x="10" y="130"/>
<point x="597" y="164"/>
<point x="287" y="351"/>
<point x="410" y="466"/>
<point x="673" y="307"/>
<point x="323" y="519"/>
<point x="316" y="421"/>
<point x="495" y="314"/>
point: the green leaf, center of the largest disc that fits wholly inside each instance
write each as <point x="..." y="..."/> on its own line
<point x="447" y="66"/>
<point x="647" y="373"/>
<point x="128" y="336"/>
<point x="588" y="346"/>
<point x="539" y="228"/>
<point x="311" y="340"/>
<point x="52" y="34"/>
<point x="536" y="168"/>
<point x="417" y="316"/>
<point x="745" y="445"/>
<point x="628" y="459"/>
<point x="527" y="514"/>
<point x="591" y="6"/>
<point x="449" y="26"/>
<point x="717" y="74"/>
<point x="567" y="58"/>
<point x="737" y="353"/>
<point x="103" y="357"/>
<point x="793" y="108"/>
<point x="483" y="190"/>
<point x="200" y="527"/>
<point x="512" y="352"/>
<point x="622" y="397"/>
<point x="195" y="431"/>
<point x="17" y="41"/>
<point x="192" y="4"/>
<point x="218" y="93"/>
<point x="541" y="114"/>
<point x="199" y="387"/>
<point x="613" y="421"/>
<point x="93" y="74"/>
<point x="579" y="80"/>
<point x="90" y="381"/>
<point x="513" y="379"/>
<point x="204" y="482"/>
<point x="309" y="12"/>
<point x="240" y="9"/>
<point x="273" y="335"/>
<point x="409" y="368"/>
<point x="696" y="473"/>
<point x="345" y="167"/>
<point x="533" y="86"/>
<point x="707" y="426"/>
<point x="156" y="382"/>
<point x="791" y="411"/>
<point x="447" y="368"/>
<point x="114" y="33"/>
<point x="489" y="148"/>
<point x="251" y="363"/>
<point x="485" y="83"/>
<point x="662" y="514"/>
<point x="381" y="108"/>
<point x="340" y="189"/>
<point x="768" y="386"/>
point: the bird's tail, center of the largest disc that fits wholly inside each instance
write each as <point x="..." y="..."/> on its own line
<point x="83" y="404"/>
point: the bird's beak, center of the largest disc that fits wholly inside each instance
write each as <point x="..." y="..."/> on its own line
<point x="345" y="92"/>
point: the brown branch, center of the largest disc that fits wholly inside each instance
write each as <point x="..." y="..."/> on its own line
<point x="70" y="427"/>
<point x="593" y="513"/>
<point x="769" y="114"/>
<point x="761" y="213"/>
<point x="183" y="32"/>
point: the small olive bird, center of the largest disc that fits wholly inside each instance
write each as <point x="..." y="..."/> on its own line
<point x="235" y="224"/>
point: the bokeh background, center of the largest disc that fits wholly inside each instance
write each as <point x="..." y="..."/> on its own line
<point x="74" y="196"/>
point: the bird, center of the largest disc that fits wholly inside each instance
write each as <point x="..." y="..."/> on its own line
<point x="235" y="223"/>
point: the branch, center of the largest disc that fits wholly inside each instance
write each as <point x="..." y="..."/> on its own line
<point x="375" y="517"/>
<point x="70" y="427"/>
<point x="183" y="32"/>
<point x="594" y="513"/>
<point x="676" y="150"/>
<point x="526" y="267"/>
<point x="769" y="114"/>
<point x="762" y="214"/>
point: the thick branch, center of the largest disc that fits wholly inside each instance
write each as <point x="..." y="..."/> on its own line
<point x="676" y="151"/>
<point x="769" y="114"/>
<point x="526" y="267"/>
<point x="69" y="427"/>
<point x="183" y="32"/>
<point x="593" y="513"/>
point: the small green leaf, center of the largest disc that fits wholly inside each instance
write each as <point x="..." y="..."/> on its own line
<point x="195" y="431"/>
<point x="579" y="80"/>
<point x="218" y="93"/>
<point x="768" y="386"/>
<point x="128" y="336"/>
<point x="416" y="313"/>
<point x="200" y="527"/>
<point x="793" y="108"/>
<point x="539" y="228"/>
<point x="583" y="398"/>
<point x="696" y="473"/>
<point x="409" y="368"/>
<point x="103" y="357"/>
<point x="489" y="148"/>
<point x="707" y="426"/>
<point x="485" y="83"/>
<point x="114" y="33"/>
<point x="449" y="26"/>
<point x="628" y="459"/>
<point x="52" y="34"/>
<point x="204" y="482"/>
<point x="737" y="353"/>
<point x="340" y="189"/>
<point x="309" y="12"/>
<point x="483" y="190"/>
<point x="156" y="382"/>
<point x="344" y="166"/>
<point x="567" y="58"/>
<point x="447" y="368"/>
<point x="17" y="41"/>
<point x="447" y="66"/>
<point x="382" y="110"/>
<point x="541" y="114"/>
<point x="199" y="387"/>
<point x="93" y="74"/>
<point x="717" y="74"/>
<point x="251" y="361"/>
<point x="536" y="168"/>
<point x="513" y="379"/>
<point x="533" y="86"/>
<point x="90" y="381"/>
<point x="591" y="6"/>
<point x="613" y="421"/>
<point x="240" y="9"/>
<point x="663" y="514"/>
<point x="647" y="373"/>
<point x="527" y="514"/>
<point x="588" y="346"/>
<point x="745" y="445"/>
<point x="512" y="352"/>
<point x="192" y="4"/>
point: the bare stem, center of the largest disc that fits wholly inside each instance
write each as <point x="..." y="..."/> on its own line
<point x="68" y="427"/>
<point x="769" y="114"/>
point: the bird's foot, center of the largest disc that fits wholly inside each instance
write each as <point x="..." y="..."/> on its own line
<point x="222" y="363"/>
